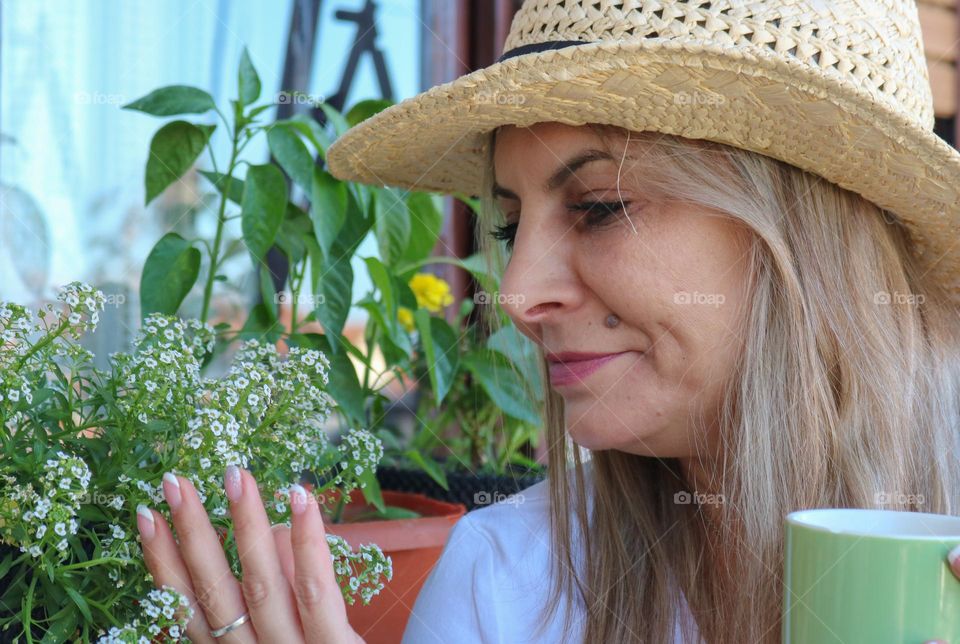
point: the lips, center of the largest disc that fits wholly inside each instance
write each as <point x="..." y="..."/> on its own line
<point x="570" y="368"/>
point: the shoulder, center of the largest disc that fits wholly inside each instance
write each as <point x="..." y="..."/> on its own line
<point x="488" y="584"/>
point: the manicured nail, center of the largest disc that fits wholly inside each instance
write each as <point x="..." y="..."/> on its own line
<point x="232" y="484"/>
<point x="298" y="499"/>
<point x="953" y="556"/>
<point x="145" y="522"/>
<point x="171" y="490"/>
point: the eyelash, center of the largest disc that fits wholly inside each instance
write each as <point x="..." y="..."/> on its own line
<point x="598" y="210"/>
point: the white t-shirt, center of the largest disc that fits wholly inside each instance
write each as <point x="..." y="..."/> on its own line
<point x="490" y="584"/>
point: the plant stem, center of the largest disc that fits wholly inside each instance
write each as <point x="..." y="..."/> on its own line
<point x="47" y="339"/>
<point x="88" y="564"/>
<point x="218" y="238"/>
<point x="296" y="282"/>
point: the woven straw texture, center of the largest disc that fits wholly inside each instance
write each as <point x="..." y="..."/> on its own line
<point x="836" y="87"/>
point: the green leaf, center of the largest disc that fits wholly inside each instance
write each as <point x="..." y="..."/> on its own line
<point x="381" y="279"/>
<point x="262" y="209"/>
<point x="441" y="349"/>
<point x="328" y="208"/>
<point x="294" y="233"/>
<point x="248" y="81"/>
<point x="395" y="345"/>
<point x="235" y="188"/>
<point x="371" y="489"/>
<point x="520" y="350"/>
<point x="333" y="283"/>
<point x="430" y="466"/>
<point x="268" y="292"/>
<point x="169" y="273"/>
<point x="63" y="626"/>
<point x="501" y="383"/>
<point x="308" y="127"/>
<point x="260" y="325"/>
<point x="80" y="602"/>
<point x="392" y="224"/>
<point x="173" y="100"/>
<point x="426" y="222"/>
<point x="340" y="124"/>
<point x="292" y="155"/>
<point x="390" y="513"/>
<point x="355" y="227"/>
<point x="173" y="150"/>
<point x="365" y="109"/>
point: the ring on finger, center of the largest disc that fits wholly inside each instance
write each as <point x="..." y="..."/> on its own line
<point x="235" y="624"/>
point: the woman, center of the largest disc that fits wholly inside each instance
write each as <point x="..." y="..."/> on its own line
<point x="761" y="245"/>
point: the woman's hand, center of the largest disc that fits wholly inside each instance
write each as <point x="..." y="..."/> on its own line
<point x="289" y="589"/>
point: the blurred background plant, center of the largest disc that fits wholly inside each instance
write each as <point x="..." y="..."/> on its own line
<point x="474" y="406"/>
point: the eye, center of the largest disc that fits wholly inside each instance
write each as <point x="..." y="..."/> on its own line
<point x="597" y="212"/>
<point x="505" y="232"/>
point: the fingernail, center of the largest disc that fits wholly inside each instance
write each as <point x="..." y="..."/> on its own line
<point x="171" y="490"/>
<point x="298" y="499"/>
<point x="145" y="522"/>
<point x="231" y="483"/>
<point x="953" y="556"/>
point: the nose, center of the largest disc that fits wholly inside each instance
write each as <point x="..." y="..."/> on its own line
<point x="540" y="282"/>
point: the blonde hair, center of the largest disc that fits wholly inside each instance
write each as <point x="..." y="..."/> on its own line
<point x="847" y="388"/>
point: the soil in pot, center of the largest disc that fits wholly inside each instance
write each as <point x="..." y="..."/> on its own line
<point x="473" y="490"/>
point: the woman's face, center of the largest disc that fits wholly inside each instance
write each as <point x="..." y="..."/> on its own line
<point x="674" y="273"/>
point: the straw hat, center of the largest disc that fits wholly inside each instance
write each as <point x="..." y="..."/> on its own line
<point x="836" y="87"/>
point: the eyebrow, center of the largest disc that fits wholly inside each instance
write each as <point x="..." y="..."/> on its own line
<point x="569" y="167"/>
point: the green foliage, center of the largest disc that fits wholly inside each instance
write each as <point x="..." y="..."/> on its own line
<point x="82" y="448"/>
<point x="475" y="411"/>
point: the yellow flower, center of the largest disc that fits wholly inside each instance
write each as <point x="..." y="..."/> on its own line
<point x="405" y="316"/>
<point x="432" y="293"/>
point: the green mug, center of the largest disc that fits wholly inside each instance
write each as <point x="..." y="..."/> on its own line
<point x="855" y="576"/>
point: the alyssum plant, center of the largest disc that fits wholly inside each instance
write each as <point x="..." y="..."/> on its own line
<point x="82" y="447"/>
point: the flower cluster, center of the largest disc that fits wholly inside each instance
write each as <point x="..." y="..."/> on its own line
<point x="42" y="520"/>
<point x="162" y="377"/>
<point x="151" y="412"/>
<point x="21" y="359"/>
<point x="164" y="614"/>
<point x="359" y="572"/>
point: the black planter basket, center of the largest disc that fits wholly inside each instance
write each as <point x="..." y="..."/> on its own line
<point x="472" y="490"/>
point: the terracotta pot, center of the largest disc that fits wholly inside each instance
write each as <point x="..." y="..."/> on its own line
<point x="414" y="545"/>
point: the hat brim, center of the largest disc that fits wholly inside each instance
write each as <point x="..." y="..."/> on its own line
<point x="763" y="102"/>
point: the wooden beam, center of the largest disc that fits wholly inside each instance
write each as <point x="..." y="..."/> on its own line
<point x="939" y="28"/>
<point x="943" y="82"/>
